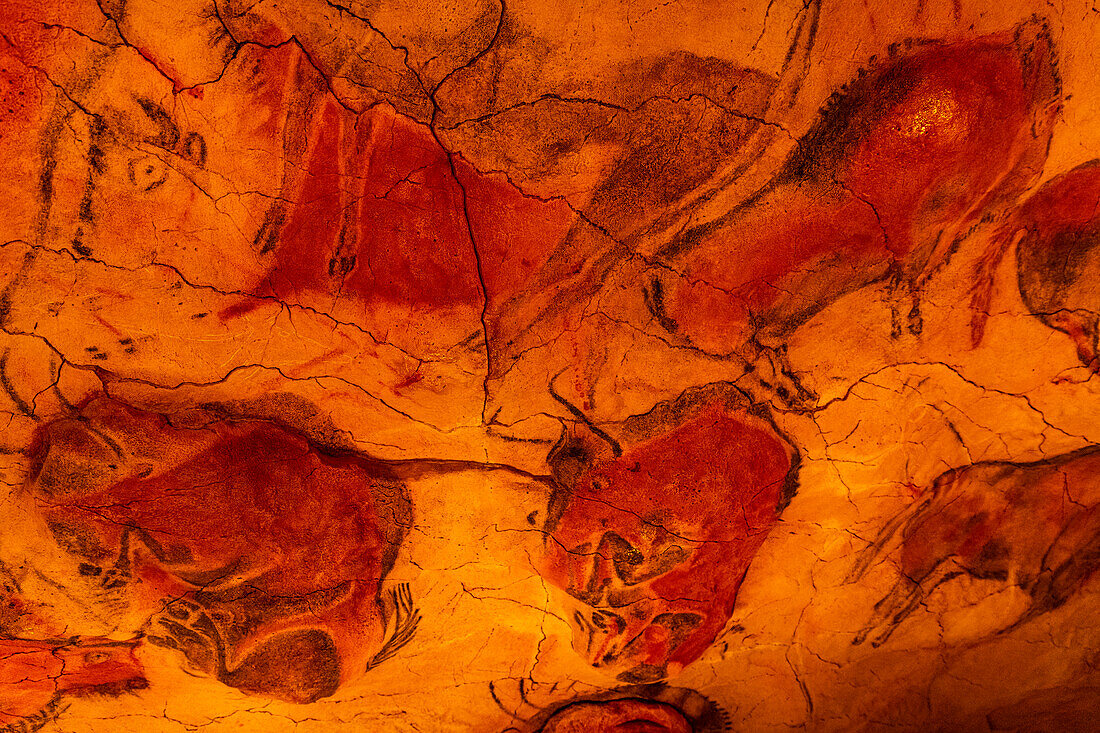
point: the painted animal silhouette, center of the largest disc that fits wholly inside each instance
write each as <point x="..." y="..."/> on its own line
<point x="652" y="708"/>
<point x="901" y="165"/>
<point x="254" y="553"/>
<point x="651" y="533"/>
<point x="1032" y="525"/>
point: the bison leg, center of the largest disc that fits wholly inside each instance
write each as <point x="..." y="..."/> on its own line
<point x="303" y="104"/>
<point x="900" y="602"/>
<point x="299" y="666"/>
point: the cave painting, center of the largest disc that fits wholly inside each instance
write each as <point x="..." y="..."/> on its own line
<point x="900" y="163"/>
<point x="194" y="525"/>
<point x="656" y="708"/>
<point x="652" y="533"/>
<point x="541" y="367"/>
<point x="1033" y="525"/>
<point x="1054" y="234"/>
<point x="38" y="675"/>
<point x="653" y="708"/>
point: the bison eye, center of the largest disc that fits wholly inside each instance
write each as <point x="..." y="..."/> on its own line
<point x="148" y="173"/>
<point x="194" y="149"/>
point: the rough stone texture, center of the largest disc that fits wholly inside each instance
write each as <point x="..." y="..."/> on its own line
<point x="546" y="366"/>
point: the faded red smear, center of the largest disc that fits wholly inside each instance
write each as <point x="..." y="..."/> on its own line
<point x="162" y="62"/>
<point x="1083" y="336"/>
<point x="24" y="92"/>
<point x="983" y="527"/>
<point x="22" y="20"/>
<point x="1034" y="525"/>
<point x="267" y="72"/>
<point x="310" y="237"/>
<point x="514" y="232"/>
<point x="694" y="506"/>
<point x="618" y="716"/>
<point x="32" y="673"/>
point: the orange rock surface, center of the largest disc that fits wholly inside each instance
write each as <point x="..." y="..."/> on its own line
<point x="542" y="366"/>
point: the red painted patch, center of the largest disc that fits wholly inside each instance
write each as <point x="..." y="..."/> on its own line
<point x="1032" y="525"/>
<point x="33" y="673"/>
<point x="657" y="542"/>
<point x="310" y="237"/>
<point x="762" y="263"/>
<point x="953" y="135"/>
<point x="515" y="233"/>
<point x="1069" y="201"/>
<point x="1056" y="235"/>
<point x="414" y="245"/>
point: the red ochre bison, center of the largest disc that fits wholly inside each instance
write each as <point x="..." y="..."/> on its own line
<point x="899" y="166"/>
<point x="1032" y="525"/>
<point x="255" y="554"/>
<point x="651" y="533"/>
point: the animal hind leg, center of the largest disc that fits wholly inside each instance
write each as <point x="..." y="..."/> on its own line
<point x="345" y="253"/>
<point x="299" y="666"/>
<point x="303" y="104"/>
<point x="899" y="603"/>
<point x="121" y="572"/>
<point x="890" y="609"/>
<point x="877" y="549"/>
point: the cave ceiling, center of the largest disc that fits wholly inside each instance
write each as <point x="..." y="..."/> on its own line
<point x="557" y="366"/>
